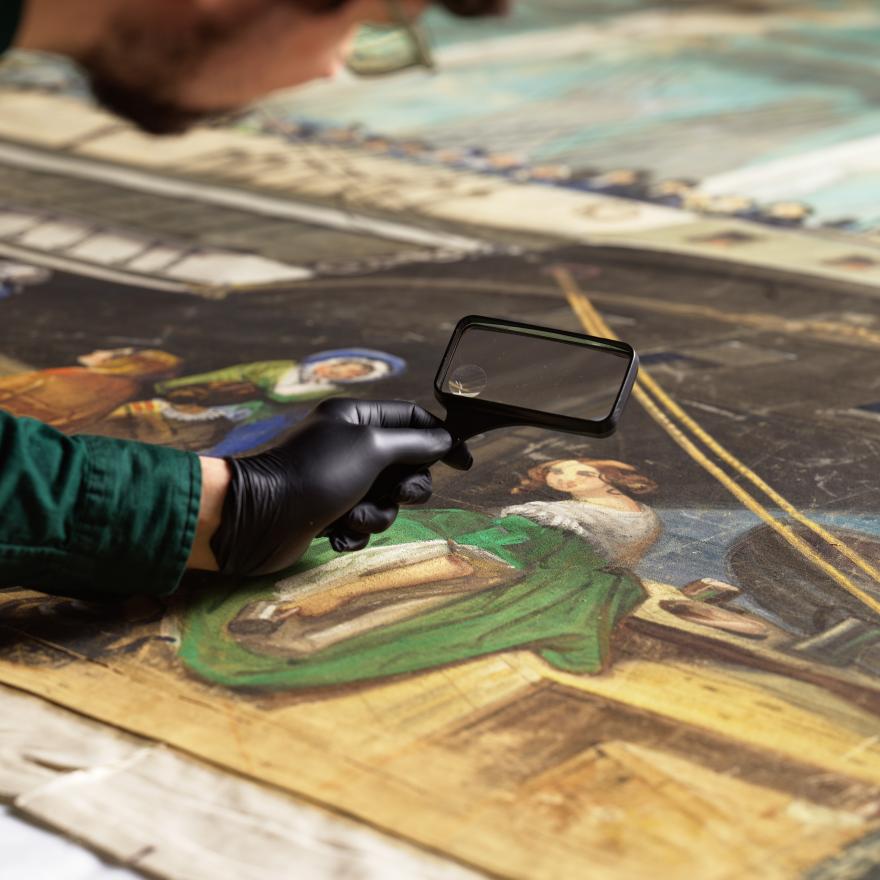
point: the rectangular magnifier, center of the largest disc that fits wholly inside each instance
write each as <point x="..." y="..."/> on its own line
<point x="498" y="373"/>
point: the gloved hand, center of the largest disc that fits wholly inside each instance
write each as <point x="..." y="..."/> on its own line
<point x="342" y="473"/>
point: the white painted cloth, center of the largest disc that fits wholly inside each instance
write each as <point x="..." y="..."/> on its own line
<point x="621" y="537"/>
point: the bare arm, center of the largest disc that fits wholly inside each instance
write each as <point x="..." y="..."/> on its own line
<point x="215" y="482"/>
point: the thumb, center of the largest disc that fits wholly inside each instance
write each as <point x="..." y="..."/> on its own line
<point x="412" y="446"/>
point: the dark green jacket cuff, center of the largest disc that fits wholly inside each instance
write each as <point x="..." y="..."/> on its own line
<point x="93" y="517"/>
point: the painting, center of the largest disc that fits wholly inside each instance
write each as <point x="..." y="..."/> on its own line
<point x="651" y="654"/>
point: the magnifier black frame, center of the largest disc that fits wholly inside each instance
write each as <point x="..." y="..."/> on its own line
<point x="467" y="416"/>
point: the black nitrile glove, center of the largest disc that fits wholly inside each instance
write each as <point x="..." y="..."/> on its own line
<point x="342" y="473"/>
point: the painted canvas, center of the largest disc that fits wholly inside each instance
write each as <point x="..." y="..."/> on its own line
<point x="649" y="655"/>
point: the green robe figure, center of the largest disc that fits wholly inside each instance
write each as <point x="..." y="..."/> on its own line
<point x="263" y="396"/>
<point x="439" y="587"/>
<point x="286" y="381"/>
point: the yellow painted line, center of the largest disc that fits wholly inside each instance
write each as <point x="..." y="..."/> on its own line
<point x="590" y="314"/>
<point x="728" y="457"/>
<point x="594" y="324"/>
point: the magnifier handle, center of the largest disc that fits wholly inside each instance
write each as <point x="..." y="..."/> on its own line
<point x="466" y="423"/>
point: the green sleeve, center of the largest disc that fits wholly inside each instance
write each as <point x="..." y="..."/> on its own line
<point x="93" y="517"/>
<point x="263" y="374"/>
<point x="10" y="17"/>
<point x="564" y="603"/>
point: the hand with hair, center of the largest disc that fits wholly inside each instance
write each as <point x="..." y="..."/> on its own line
<point x="343" y="474"/>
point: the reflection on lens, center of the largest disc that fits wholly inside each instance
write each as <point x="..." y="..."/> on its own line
<point x="468" y="380"/>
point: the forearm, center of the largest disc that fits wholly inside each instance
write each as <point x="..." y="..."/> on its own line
<point x="215" y="482"/>
<point x="93" y="517"/>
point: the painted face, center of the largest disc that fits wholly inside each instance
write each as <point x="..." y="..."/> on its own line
<point x="573" y="476"/>
<point x="340" y="371"/>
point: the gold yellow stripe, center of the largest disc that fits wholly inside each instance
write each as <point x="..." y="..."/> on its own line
<point x="594" y="324"/>
<point x="590" y="314"/>
<point x="843" y="548"/>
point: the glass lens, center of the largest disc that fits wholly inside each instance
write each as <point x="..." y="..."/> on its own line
<point x="383" y="49"/>
<point x="537" y="370"/>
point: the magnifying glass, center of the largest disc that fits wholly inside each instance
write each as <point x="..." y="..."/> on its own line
<point x="498" y="373"/>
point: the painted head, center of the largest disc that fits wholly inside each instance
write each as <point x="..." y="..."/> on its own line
<point x="135" y="363"/>
<point x="166" y="64"/>
<point x="348" y="366"/>
<point x="583" y="476"/>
